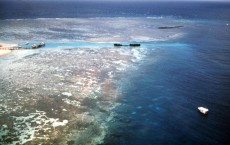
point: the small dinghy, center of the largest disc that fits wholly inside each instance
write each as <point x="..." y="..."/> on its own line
<point x="203" y="110"/>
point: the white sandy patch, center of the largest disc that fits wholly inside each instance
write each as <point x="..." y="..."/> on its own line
<point x="57" y="123"/>
<point x="67" y="94"/>
<point x="4" y="52"/>
<point x="4" y="48"/>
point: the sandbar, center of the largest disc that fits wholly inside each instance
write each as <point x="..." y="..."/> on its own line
<point x="4" y="48"/>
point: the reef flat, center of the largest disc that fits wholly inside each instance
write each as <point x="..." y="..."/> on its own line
<point x="62" y="96"/>
<point x="119" y="29"/>
<point x="67" y="94"/>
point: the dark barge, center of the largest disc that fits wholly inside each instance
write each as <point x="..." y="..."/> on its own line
<point x="132" y="44"/>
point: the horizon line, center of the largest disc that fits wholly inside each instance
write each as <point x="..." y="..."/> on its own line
<point x="127" y="0"/>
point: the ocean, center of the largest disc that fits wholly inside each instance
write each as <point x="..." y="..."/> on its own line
<point x="175" y="71"/>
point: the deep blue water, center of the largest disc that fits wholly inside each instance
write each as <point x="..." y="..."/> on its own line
<point x="161" y="104"/>
<point x="161" y="99"/>
<point x="62" y="9"/>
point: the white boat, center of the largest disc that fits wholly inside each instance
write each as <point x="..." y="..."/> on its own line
<point x="34" y="46"/>
<point x="203" y="110"/>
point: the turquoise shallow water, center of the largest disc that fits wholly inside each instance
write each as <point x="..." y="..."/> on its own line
<point x="104" y="44"/>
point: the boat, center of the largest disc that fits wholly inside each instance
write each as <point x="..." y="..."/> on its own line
<point x="169" y="27"/>
<point x="117" y="44"/>
<point x="203" y="110"/>
<point x="135" y="44"/>
<point x="132" y="44"/>
<point x="42" y="44"/>
<point x="34" y="46"/>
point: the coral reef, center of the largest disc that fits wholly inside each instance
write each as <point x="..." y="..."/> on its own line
<point x="62" y="96"/>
